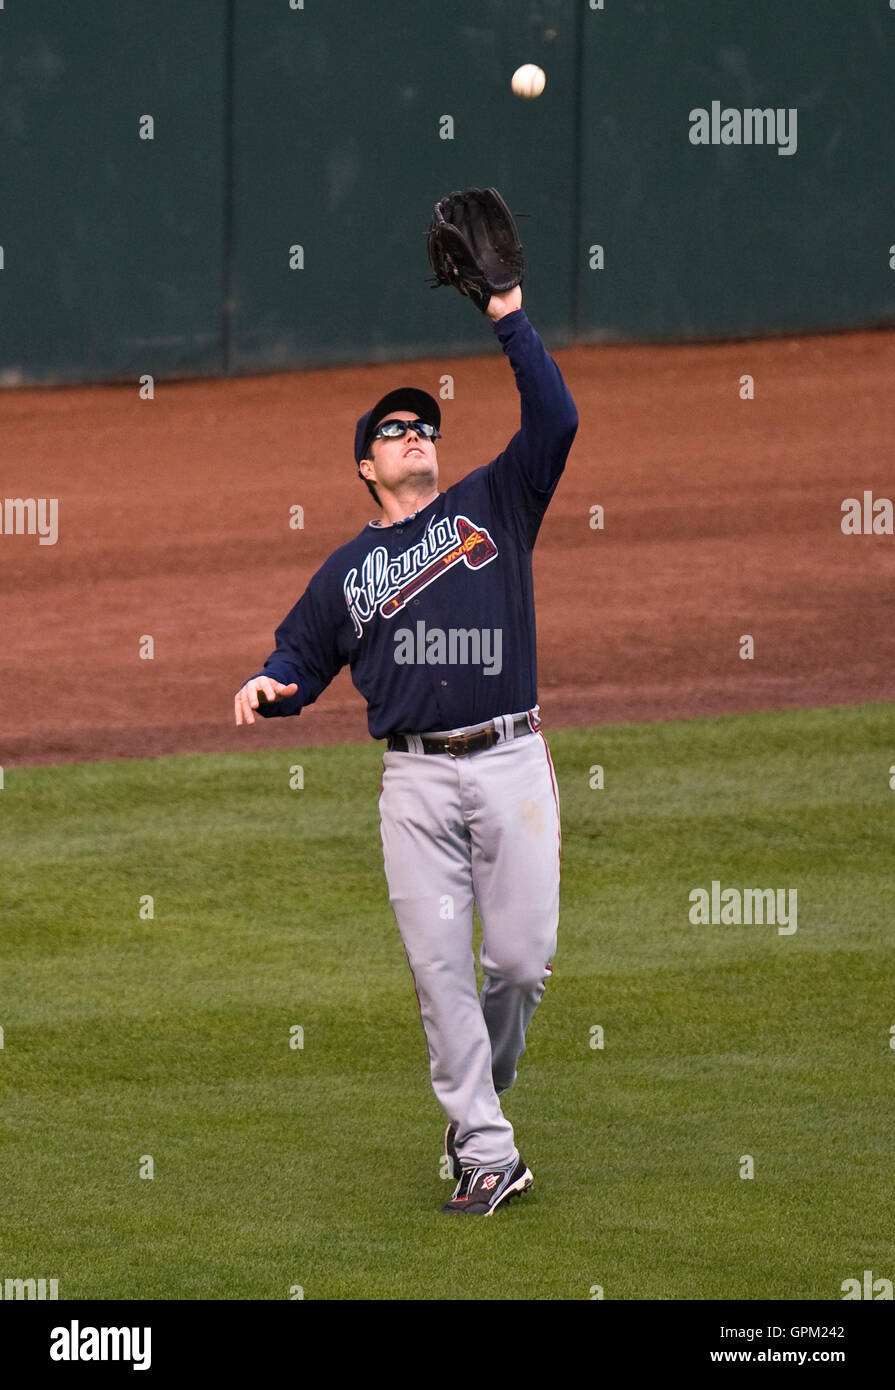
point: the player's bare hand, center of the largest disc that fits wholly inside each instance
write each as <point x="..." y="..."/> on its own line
<point x="501" y="304"/>
<point x="259" y="688"/>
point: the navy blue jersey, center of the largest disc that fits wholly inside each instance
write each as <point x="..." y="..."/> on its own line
<point x="435" y="614"/>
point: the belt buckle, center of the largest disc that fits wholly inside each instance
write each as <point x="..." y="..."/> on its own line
<point x="464" y="744"/>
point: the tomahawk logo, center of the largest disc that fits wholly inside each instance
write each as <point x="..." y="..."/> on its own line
<point x="77" y="1343"/>
<point x="385" y="585"/>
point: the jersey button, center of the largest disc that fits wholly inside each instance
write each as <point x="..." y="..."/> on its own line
<point x="444" y="682"/>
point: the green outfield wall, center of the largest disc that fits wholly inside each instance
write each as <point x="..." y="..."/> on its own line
<point x="113" y="243"/>
<point x="735" y="239"/>
<point x="271" y="212"/>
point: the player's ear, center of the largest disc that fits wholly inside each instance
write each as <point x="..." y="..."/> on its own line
<point x="369" y="481"/>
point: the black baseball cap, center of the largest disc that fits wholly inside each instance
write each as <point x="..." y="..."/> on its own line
<point x="404" y="398"/>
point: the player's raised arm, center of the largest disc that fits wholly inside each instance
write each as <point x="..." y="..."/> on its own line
<point x="538" y="451"/>
<point x="474" y="246"/>
<point x="499" y="305"/>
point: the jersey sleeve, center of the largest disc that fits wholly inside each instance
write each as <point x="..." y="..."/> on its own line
<point x="523" y="478"/>
<point x="309" y="649"/>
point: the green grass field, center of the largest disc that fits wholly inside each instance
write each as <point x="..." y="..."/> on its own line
<point x="319" y="1166"/>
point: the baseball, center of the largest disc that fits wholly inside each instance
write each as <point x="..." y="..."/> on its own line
<point x="529" y="81"/>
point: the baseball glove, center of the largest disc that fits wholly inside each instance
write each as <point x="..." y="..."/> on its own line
<point x="473" y="243"/>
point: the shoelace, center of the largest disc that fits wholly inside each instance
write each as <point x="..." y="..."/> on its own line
<point x="465" y="1183"/>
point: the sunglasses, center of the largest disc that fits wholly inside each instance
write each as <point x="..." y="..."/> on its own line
<point x="395" y="429"/>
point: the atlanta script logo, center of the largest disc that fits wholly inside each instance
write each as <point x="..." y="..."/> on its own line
<point x="388" y="585"/>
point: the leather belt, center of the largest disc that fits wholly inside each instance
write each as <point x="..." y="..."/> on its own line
<point x="460" y="745"/>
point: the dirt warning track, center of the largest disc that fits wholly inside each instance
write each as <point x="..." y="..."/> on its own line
<point x="721" y="518"/>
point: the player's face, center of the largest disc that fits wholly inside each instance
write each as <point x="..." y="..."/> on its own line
<point x="410" y="457"/>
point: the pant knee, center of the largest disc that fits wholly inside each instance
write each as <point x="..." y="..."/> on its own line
<point x="520" y="973"/>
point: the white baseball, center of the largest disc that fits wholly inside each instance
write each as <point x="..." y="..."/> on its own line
<point x="529" y="81"/>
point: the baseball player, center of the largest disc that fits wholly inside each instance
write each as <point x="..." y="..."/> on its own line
<point x="432" y="608"/>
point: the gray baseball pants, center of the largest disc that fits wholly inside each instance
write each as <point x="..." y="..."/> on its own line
<point x="482" y="828"/>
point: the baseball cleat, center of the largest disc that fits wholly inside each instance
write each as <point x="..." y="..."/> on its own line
<point x="450" y="1134"/>
<point x="480" y="1191"/>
